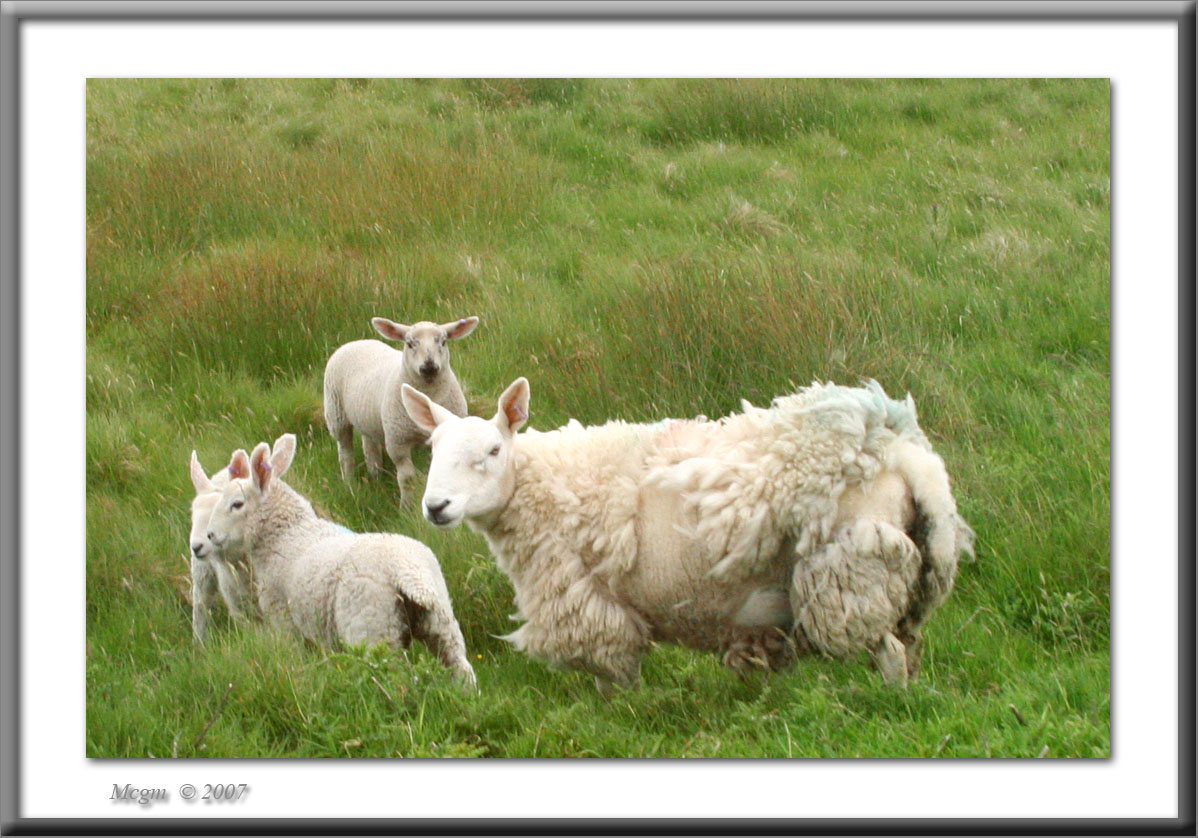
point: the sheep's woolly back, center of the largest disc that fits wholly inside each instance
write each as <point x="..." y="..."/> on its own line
<point x="780" y="471"/>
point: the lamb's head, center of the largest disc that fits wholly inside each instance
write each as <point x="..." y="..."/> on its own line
<point x="472" y="472"/>
<point x="251" y="479"/>
<point x="208" y="492"/>
<point x="425" y="344"/>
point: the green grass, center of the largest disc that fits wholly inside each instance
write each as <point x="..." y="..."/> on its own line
<point x="637" y="249"/>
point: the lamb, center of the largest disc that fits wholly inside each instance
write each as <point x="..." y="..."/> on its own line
<point x="329" y="584"/>
<point x="822" y="524"/>
<point x="215" y="575"/>
<point x="362" y="382"/>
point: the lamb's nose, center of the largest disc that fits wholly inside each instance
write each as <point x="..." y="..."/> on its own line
<point x="428" y="369"/>
<point x="196" y="548"/>
<point x="434" y="510"/>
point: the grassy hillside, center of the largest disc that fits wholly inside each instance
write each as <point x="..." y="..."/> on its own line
<point x="637" y="249"/>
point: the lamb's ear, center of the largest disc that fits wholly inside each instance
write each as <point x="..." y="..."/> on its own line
<point x="282" y="454"/>
<point x="198" y="479"/>
<point x="461" y="328"/>
<point x="513" y="405"/>
<point x="239" y="465"/>
<point x="389" y="328"/>
<point x="425" y="412"/>
<point x="260" y="467"/>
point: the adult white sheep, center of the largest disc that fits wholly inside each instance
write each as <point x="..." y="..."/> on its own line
<point x="825" y="519"/>
<point x="362" y="382"/>
<point x="331" y="585"/>
<point x="215" y="575"/>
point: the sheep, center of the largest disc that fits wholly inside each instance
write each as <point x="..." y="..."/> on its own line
<point x="331" y="585"/>
<point x="822" y="524"/>
<point x="215" y="575"/>
<point x="361" y="391"/>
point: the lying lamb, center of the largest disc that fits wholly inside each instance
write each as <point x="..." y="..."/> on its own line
<point x="825" y="521"/>
<point x="361" y="390"/>
<point x="215" y="575"/>
<point x="319" y="578"/>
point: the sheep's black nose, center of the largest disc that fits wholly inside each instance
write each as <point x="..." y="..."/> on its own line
<point x="196" y="548"/>
<point x="428" y="370"/>
<point x="434" y="510"/>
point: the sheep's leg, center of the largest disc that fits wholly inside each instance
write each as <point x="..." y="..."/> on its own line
<point x="758" y="648"/>
<point x="401" y="455"/>
<point x="890" y="656"/>
<point x="366" y="611"/>
<point x="345" y="451"/>
<point x="203" y="596"/>
<point x="610" y="686"/>
<point x="235" y="588"/>
<point x="913" y="640"/>
<point x="853" y="592"/>
<point x="373" y="451"/>
<point x="441" y="633"/>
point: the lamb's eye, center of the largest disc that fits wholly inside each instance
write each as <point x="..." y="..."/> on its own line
<point x="495" y="451"/>
<point x="237" y="504"/>
<point x="411" y="344"/>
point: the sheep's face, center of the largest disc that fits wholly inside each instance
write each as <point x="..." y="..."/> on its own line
<point x="233" y="507"/>
<point x="251" y="478"/>
<point x="472" y="472"/>
<point x="425" y="344"/>
<point x="207" y="494"/>
<point x="201" y="512"/>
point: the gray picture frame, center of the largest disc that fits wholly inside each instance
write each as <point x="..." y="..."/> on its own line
<point x="14" y="14"/>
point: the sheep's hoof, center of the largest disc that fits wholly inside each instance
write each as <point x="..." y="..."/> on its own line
<point x="767" y="648"/>
<point x="609" y="688"/>
<point x="890" y="656"/>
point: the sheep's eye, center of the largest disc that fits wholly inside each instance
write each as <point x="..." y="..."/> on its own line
<point x="495" y="451"/>
<point x="237" y="504"/>
<point x="411" y="344"/>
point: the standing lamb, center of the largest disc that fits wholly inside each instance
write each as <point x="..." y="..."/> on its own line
<point x="362" y="383"/>
<point x="824" y="522"/>
<point x="215" y="574"/>
<point x="329" y="584"/>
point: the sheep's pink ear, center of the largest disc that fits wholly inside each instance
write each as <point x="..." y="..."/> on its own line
<point x="282" y="453"/>
<point x="239" y="466"/>
<point x="389" y="328"/>
<point x="513" y="405"/>
<point x="260" y="466"/>
<point x="425" y="412"/>
<point x="198" y="479"/>
<point x="461" y="328"/>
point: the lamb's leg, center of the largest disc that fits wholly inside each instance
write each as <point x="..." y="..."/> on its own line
<point x="366" y="611"/>
<point x="890" y="656"/>
<point x="345" y="451"/>
<point x="203" y="596"/>
<point x="372" y="448"/>
<point x="441" y="633"/>
<point x="234" y="583"/>
<point x="401" y="455"/>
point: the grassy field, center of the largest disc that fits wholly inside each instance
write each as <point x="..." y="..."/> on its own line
<point x="637" y="249"/>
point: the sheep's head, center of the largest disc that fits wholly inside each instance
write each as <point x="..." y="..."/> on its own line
<point x="251" y="478"/>
<point x="472" y="472"/>
<point x="208" y="492"/>
<point x="425" y="344"/>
